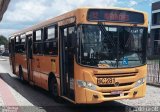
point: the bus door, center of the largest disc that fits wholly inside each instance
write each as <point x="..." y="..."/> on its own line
<point x="29" y="57"/>
<point x="12" y="54"/>
<point x="67" y="61"/>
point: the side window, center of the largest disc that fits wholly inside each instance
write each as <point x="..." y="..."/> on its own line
<point x="51" y="41"/>
<point x="71" y="36"/>
<point x="38" y="46"/>
<point x="71" y="30"/>
<point x="39" y="35"/>
<point x="20" y="44"/>
<point x="51" y="33"/>
<point x="17" y="39"/>
<point x="23" y="40"/>
<point x="65" y="32"/>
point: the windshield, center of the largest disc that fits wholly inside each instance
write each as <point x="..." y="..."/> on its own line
<point x="111" y="46"/>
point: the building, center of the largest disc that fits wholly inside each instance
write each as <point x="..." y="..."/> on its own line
<point x="3" y="7"/>
<point x="155" y="30"/>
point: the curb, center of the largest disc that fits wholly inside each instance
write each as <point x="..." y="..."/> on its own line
<point x="155" y="85"/>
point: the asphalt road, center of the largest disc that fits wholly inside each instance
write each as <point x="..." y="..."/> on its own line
<point x="32" y="97"/>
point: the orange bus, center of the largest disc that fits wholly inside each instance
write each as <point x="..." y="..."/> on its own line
<point x="88" y="55"/>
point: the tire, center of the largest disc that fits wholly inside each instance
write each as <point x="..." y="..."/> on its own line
<point x="53" y="89"/>
<point x="21" y="74"/>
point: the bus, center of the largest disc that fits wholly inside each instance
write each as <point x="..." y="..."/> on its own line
<point x="86" y="56"/>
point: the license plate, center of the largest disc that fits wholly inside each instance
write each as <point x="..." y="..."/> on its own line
<point x="103" y="81"/>
<point x="116" y="92"/>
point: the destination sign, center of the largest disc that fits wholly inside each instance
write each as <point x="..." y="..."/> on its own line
<point x="118" y="16"/>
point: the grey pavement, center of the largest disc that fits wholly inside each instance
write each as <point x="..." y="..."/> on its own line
<point x="152" y="98"/>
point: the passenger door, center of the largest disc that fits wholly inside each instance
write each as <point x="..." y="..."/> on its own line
<point x="29" y="57"/>
<point x="67" y="61"/>
<point x="37" y="56"/>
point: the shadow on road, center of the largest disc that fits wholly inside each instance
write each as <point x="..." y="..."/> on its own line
<point x="41" y="98"/>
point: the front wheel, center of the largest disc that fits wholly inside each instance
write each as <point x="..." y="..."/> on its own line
<point x="53" y="88"/>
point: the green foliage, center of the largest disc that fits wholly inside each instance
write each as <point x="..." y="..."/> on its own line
<point x="3" y="40"/>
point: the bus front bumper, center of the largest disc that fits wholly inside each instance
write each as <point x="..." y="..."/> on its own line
<point x="99" y="97"/>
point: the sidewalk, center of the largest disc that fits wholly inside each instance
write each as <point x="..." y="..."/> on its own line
<point x="9" y="96"/>
<point x="6" y="96"/>
<point x="12" y="101"/>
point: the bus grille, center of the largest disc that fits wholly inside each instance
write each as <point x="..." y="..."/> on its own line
<point x="112" y="85"/>
<point x="117" y="75"/>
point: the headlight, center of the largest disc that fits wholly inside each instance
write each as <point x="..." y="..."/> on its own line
<point x="86" y="85"/>
<point x="140" y="82"/>
<point x="81" y="83"/>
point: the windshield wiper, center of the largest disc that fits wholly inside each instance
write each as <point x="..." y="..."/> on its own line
<point x="106" y="34"/>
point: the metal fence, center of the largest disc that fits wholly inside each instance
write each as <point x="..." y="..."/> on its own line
<point x="153" y="76"/>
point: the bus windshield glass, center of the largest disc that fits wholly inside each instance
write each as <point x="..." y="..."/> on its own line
<point x="111" y="46"/>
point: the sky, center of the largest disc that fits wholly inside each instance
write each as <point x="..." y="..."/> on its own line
<point x="25" y="13"/>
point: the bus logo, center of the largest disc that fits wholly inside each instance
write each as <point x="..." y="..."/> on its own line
<point x="116" y="84"/>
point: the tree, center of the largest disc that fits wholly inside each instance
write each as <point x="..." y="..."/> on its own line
<point x="3" y="40"/>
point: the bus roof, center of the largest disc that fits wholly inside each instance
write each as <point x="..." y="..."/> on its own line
<point x="67" y="15"/>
